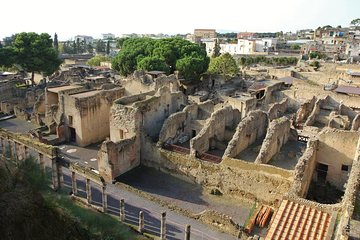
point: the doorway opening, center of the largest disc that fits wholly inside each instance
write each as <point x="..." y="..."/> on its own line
<point x="72" y="132"/>
<point x="321" y="171"/>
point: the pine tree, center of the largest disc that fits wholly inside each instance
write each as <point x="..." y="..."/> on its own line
<point x="56" y="43"/>
<point x="216" y="50"/>
<point x="108" y="47"/>
<point x="78" y="45"/>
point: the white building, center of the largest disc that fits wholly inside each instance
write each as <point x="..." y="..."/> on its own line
<point x="209" y="45"/>
<point x="266" y="44"/>
<point x="86" y="39"/>
<point x="246" y="46"/>
<point x="231" y="48"/>
<point x="106" y="36"/>
<point x="243" y="46"/>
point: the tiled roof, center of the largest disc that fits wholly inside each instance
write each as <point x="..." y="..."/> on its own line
<point x="296" y="221"/>
<point x="357" y="74"/>
<point x="348" y="90"/>
<point x="288" y="80"/>
<point x="256" y="86"/>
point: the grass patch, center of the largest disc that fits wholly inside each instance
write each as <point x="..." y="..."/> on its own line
<point x="357" y="209"/>
<point x="252" y="211"/>
<point x="99" y="225"/>
<point x="31" y="210"/>
<point x="312" y="83"/>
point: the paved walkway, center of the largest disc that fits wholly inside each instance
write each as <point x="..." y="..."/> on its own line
<point x="85" y="156"/>
<point x="17" y="125"/>
<point x="134" y="204"/>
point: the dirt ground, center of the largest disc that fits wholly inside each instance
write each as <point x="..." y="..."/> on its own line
<point x="188" y="196"/>
<point x="289" y="155"/>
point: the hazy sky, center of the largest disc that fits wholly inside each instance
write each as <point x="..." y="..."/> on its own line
<point x="71" y="17"/>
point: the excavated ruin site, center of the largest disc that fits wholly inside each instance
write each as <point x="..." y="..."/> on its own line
<point x="270" y="152"/>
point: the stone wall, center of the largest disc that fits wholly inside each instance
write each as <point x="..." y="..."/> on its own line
<point x="252" y="127"/>
<point x="173" y="128"/>
<point x="243" y="103"/>
<point x="270" y="92"/>
<point x="226" y="117"/>
<point x="280" y="73"/>
<point x="158" y="108"/>
<point x="315" y="111"/>
<point x="328" y="112"/>
<point x="130" y="124"/>
<point x="94" y="115"/>
<point x="6" y="91"/>
<point x="278" y="109"/>
<point x="277" y="135"/>
<point x="263" y="183"/>
<point x="356" y="123"/>
<point x="182" y="124"/>
<point x="127" y="100"/>
<point x="304" y="170"/>
<point x="337" y="148"/>
<point x="349" y="197"/>
<point x="140" y="82"/>
<point x="88" y="115"/>
<point x="7" y="107"/>
<point x="21" y="113"/>
<point x="305" y="110"/>
<point x="117" y="158"/>
<point x="304" y="91"/>
<point x="167" y="81"/>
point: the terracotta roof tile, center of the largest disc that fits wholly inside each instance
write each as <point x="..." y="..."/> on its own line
<point x="297" y="221"/>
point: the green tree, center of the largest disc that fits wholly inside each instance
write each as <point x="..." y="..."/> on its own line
<point x="178" y="54"/>
<point x="56" y="42"/>
<point x="95" y="61"/>
<point x="216" y="50"/>
<point x="80" y="46"/>
<point x="100" y="46"/>
<point x="153" y="63"/>
<point x="108" y="47"/>
<point x="224" y="65"/>
<point x="191" y="68"/>
<point x="355" y="22"/>
<point x="68" y="47"/>
<point x="1" y="46"/>
<point x="295" y="47"/>
<point x="35" y="53"/>
<point x="7" y="57"/>
<point x="89" y="48"/>
<point x="8" y="41"/>
<point x="120" y="42"/>
<point x="315" y="64"/>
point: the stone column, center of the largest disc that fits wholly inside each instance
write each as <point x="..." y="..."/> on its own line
<point x="2" y="147"/>
<point x="122" y="210"/>
<point x="54" y="172"/>
<point x="9" y="147"/>
<point x="163" y="226"/>
<point x="104" y="198"/>
<point x="15" y="155"/>
<point x="41" y="162"/>
<point x="141" y="222"/>
<point x="60" y="176"/>
<point x="73" y="183"/>
<point x="187" y="232"/>
<point x="88" y="191"/>
<point x="25" y="155"/>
